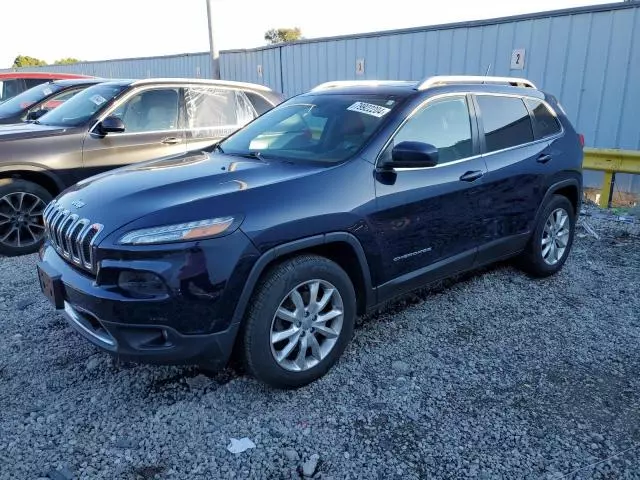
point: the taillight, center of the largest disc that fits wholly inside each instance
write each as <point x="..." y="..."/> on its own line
<point x="581" y="139"/>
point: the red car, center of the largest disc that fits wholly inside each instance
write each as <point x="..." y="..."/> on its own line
<point x="13" y="83"/>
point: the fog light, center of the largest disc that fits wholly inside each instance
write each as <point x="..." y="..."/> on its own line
<point x="141" y="284"/>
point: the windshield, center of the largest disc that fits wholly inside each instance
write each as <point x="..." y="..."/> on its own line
<point x="82" y="106"/>
<point x="27" y="98"/>
<point x="327" y="128"/>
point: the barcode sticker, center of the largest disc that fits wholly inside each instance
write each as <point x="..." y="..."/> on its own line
<point x="369" y="109"/>
<point x="98" y="99"/>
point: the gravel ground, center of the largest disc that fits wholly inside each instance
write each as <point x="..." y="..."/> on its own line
<point x="493" y="376"/>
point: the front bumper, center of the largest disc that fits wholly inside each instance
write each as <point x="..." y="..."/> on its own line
<point x="152" y="343"/>
<point x="182" y="326"/>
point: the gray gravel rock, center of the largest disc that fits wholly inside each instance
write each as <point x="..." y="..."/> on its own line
<point x="93" y="363"/>
<point x="503" y="376"/>
<point x="60" y="474"/>
<point x="401" y="367"/>
<point x="291" y="455"/>
<point x="309" y="467"/>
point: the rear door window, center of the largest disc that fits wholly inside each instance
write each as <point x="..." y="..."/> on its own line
<point x="545" y="123"/>
<point x="506" y="122"/>
<point x="217" y="111"/>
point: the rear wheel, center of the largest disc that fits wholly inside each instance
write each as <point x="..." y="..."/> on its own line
<point x="552" y="238"/>
<point x="22" y="204"/>
<point x="300" y="320"/>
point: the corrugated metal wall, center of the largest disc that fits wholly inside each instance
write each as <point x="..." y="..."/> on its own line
<point x="188" y="65"/>
<point x="588" y="57"/>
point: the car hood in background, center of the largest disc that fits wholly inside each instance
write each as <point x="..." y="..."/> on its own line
<point x="18" y="131"/>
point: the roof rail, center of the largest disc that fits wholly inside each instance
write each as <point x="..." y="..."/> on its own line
<point x="202" y="81"/>
<point x="355" y="83"/>
<point x="447" y="79"/>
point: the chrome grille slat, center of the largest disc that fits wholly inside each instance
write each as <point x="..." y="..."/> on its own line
<point x="73" y="237"/>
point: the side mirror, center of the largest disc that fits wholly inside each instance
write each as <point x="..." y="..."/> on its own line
<point x="36" y="114"/>
<point x="413" y="155"/>
<point x="111" y="125"/>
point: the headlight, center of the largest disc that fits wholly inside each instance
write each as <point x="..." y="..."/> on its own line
<point x="178" y="232"/>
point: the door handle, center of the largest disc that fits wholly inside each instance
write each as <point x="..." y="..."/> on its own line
<point x="171" y="141"/>
<point x="471" y="176"/>
<point x="544" y="158"/>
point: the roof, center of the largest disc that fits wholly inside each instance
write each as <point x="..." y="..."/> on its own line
<point x="40" y="75"/>
<point x="77" y="81"/>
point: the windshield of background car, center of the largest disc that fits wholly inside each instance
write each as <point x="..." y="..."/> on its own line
<point x="27" y="98"/>
<point x="82" y="106"/>
<point x="326" y="128"/>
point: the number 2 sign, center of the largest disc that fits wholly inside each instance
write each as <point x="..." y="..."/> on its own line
<point x="517" y="59"/>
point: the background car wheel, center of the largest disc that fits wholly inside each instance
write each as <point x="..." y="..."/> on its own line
<point x="299" y="322"/>
<point x="21" y="226"/>
<point x="552" y="238"/>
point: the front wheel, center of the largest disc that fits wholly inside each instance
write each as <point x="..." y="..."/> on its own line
<point x="551" y="242"/>
<point x="22" y="204"/>
<point x="299" y="322"/>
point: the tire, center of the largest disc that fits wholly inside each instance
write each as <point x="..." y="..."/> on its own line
<point x="275" y="294"/>
<point x="21" y="206"/>
<point x="539" y="260"/>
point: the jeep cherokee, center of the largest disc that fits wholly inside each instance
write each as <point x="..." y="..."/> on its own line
<point x="271" y="242"/>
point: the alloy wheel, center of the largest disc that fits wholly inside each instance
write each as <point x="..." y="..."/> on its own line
<point x="555" y="236"/>
<point x="21" y="223"/>
<point x="306" y="325"/>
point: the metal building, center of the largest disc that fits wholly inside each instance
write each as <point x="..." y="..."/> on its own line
<point x="589" y="57"/>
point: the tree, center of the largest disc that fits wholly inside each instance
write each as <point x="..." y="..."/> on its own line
<point x="66" y="61"/>
<point x="282" y="35"/>
<point x="26" y="61"/>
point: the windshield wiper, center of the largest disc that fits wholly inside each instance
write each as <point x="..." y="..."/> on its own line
<point x="218" y="148"/>
<point x="256" y="155"/>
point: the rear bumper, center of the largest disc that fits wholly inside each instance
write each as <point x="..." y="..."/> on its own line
<point x="158" y="344"/>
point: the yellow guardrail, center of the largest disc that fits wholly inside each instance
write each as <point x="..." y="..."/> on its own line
<point x="610" y="162"/>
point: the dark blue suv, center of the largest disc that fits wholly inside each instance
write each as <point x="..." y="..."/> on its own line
<point x="271" y="242"/>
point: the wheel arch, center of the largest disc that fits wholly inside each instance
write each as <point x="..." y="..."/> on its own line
<point x="340" y="247"/>
<point x="569" y="188"/>
<point x="34" y="174"/>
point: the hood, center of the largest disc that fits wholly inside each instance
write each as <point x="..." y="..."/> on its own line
<point x="187" y="187"/>
<point x="28" y="130"/>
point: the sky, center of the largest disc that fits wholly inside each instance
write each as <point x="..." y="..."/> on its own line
<point x="92" y="30"/>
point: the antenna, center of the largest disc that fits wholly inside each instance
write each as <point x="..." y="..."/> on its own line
<point x="488" y="68"/>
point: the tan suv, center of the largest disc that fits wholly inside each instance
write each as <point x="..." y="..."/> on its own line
<point x="106" y="126"/>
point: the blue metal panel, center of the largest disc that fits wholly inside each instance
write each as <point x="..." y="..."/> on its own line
<point x="474" y="50"/>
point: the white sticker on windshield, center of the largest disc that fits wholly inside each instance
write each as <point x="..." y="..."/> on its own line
<point x="98" y="99"/>
<point x="369" y="109"/>
<point x="46" y="91"/>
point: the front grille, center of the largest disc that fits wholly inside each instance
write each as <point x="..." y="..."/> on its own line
<point x="73" y="237"/>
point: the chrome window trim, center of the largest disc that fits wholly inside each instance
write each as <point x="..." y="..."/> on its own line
<point x="482" y="155"/>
